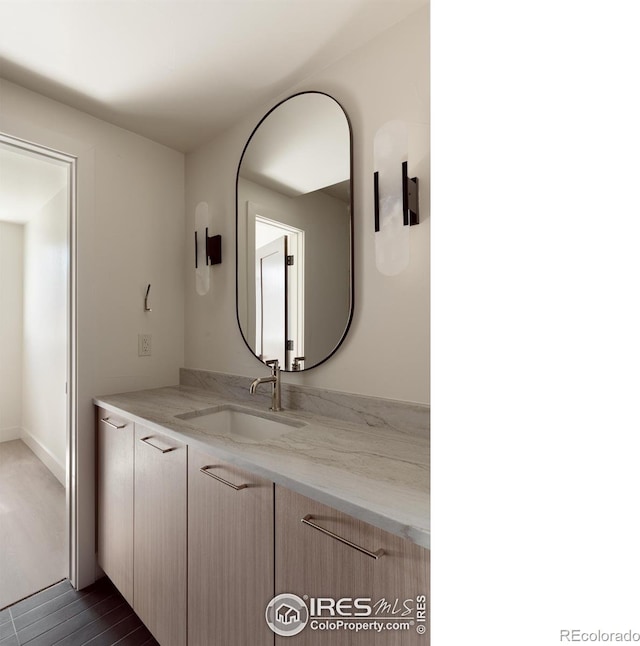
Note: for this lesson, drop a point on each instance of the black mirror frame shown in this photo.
(351, 229)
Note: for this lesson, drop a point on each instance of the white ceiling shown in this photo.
(27, 182)
(179, 72)
(301, 147)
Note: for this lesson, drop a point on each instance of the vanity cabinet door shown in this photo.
(231, 567)
(115, 500)
(314, 564)
(160, 536)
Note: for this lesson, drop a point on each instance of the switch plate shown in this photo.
(144, 345)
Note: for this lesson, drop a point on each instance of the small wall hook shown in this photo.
(146, 299)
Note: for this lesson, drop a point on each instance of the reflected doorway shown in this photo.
(279, 292)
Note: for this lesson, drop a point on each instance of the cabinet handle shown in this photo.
(374, 555)
(146, 441)
(106, 421)
(219, 479)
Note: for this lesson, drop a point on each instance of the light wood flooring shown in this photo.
(62, 616)
(33, 548)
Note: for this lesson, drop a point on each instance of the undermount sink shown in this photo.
(239, 422)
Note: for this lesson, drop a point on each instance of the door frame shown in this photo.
(71, 458)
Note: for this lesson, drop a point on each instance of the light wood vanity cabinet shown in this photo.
(230, 554)
(199, 547)
(311, 562)
(160, 536)
(115, 500)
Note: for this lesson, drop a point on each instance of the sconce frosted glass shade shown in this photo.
(203, 274)
(390, 150)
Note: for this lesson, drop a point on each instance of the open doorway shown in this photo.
(37, 197)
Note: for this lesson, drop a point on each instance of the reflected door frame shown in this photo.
(296, 277)
(272, 307)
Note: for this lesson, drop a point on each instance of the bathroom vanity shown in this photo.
(203, 517)
(224, 524)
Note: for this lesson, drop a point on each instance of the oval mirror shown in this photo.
(294, 233)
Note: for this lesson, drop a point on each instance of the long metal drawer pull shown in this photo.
(146, 441)
(106, 421)
(219, 479)
(374, 555)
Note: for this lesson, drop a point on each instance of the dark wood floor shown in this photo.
(60, 615)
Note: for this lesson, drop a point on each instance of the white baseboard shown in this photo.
(10, 433)
(49, 460)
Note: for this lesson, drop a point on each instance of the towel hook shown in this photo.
(146, 299)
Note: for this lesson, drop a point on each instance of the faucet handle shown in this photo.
(273, 364)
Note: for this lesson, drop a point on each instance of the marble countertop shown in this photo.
(380, 476)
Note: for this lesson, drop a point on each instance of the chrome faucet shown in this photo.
(274, 380)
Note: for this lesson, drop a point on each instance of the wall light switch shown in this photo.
(144, 345)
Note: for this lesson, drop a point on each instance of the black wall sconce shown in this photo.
(409, 197)
(410, 211)
(395, 198)
(213, 248)
(210, 250)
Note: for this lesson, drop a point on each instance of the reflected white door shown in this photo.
(271, 300)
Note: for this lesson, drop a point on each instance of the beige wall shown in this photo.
(130, 226)
(386, 352)
(11, 284)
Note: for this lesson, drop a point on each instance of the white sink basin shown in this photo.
(233, 421)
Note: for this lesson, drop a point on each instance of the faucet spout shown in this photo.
(260, 380)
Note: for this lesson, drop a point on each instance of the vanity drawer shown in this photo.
(322, 552)
(230, 548)
(160, 535)
(114, 492)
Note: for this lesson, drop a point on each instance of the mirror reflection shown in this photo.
(294, 233)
